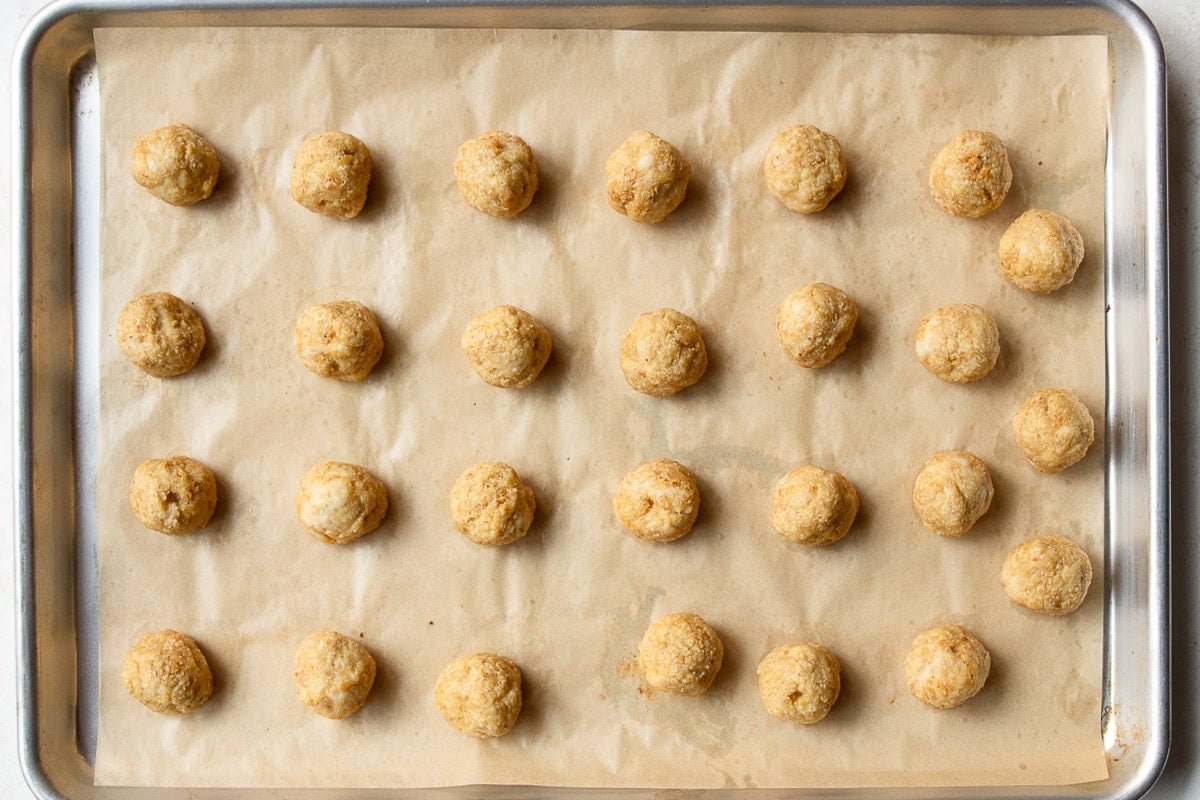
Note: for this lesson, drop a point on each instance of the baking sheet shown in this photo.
(571, 600)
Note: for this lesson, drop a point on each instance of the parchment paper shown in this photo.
(570, 601)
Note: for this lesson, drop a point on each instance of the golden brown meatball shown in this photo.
(958, 343)
(647, 178)
(333, 673)
(946, 666)
(1054, 429)
(799, 682)
(339, 340)
(176, 164)
(330, 174)
(338, 503)
(175, 495)
(658, 501)
(680, 654)
(507, 347)
(813, 506)
(496, 173)
(1047, 574)
(161, 334)
(480, 695)
(663, 353)
(804, 168)
(1040, 251)
(167, 672)
(952, 491)
(490, 505)
(815, 323)
(971, 175)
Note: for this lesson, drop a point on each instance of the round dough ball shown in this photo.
(647, 177)
(339, 340)
(496, 173)
(175, 495)
(507, 347)
(680, 654)
(971, 175)
(166, 672)
(658, 501)
(813, 506)
(804, 168)
(958, 343)
(1054, 429)
(176, 164)
(946, 666)
(480, 695)
(334, 674)
(338, 502)
(799, 682)
(1040, 251)
(815, 323)
(490, 505)
(161, 334)
(663, 353)
(952, 491)
(330, 174)
(1047, 574)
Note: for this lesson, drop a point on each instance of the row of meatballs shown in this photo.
(647, 179)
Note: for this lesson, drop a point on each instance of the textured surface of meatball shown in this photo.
(1040, 251)
(647, 177)
(176, 164)
(799, 682)
(1047, 574)
(480, 695)
(658, 501)
(333, 673)
(804, 168)
(815, 323)
(339, 502)
(330, 174)
(496, 174)
(813, 506)
(971, 175)
(946, 666)
(175, 495)
(1054, 429)
(680, 654)
(507, 347)
(663, 353)
(490, 505)
(958, 343)
(952, 491)
(166, 672)
(161, 334)
(339, 340)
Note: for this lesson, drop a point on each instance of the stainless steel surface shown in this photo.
(56, 287)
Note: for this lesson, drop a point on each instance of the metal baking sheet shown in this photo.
(56, 213)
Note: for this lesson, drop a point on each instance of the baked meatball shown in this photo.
(815, 323)
(1040, 251)
(507, 347)
(330, 174)
(799, 682)
(496, 173)
(175, 495)
(663, 353)
(958, 343)
(161, 334)
(338, 502)
(176, 164)
(813, 506)
(166, 672)
(480, 695)
(971, 175)
(1054, 429)
(952, 491)
(333, 674)
(658, 501)
(339, 340)
(946, 666)
(647, 178)
(1047, 574)
(804, 168)
(680, 654)
(490, 505)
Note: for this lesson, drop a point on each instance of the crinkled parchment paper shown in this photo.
(570, 601)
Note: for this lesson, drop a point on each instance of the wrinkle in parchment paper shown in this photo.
(570, 601)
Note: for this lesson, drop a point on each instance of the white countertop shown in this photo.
(1178, 23)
